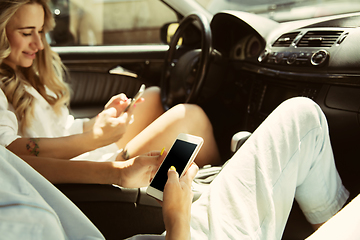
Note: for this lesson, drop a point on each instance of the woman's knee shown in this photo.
(152, 100)
(304, 109)
(192, 111)
(191, 114)
(298, 103)
(197, 117)
(152, 94)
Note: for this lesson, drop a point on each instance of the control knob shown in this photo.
(319, 57)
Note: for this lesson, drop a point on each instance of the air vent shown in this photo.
(285, 40)
(319, 38)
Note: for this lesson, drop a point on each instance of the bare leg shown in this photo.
(183, 118)
(144, 114)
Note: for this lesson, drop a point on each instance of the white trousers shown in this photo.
(289, 156)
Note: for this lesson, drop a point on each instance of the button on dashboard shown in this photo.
(279, 57)
(319, 57)
(292, 58)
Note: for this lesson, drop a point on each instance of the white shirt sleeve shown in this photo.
(32, 208)
(8, 122)
(75, 126)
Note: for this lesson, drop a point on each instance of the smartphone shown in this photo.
(137, 96)
(181, 154)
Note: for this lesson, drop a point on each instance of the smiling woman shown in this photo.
(34, 97)
(25, 34)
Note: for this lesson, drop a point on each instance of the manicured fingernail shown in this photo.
(162, 151)
(173, 168)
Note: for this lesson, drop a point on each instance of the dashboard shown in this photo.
(323, 44)
(283, 60)
(317, 58)
(315, 49)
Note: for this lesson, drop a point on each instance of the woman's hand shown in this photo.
(177, 203)
(138, 171)
(109, 127)
(119, 102)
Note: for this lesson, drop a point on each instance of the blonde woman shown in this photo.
(34, 118)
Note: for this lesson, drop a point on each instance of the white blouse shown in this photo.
(46, 123)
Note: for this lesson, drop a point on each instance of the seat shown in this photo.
(117, 212)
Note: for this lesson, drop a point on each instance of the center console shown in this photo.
(268, 93)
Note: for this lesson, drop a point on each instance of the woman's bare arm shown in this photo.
(108, 128)
(66, 171)
(133, 173)
(62, 147)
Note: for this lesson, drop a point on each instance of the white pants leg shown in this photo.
(288, 156)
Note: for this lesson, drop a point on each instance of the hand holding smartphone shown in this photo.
(137, 97)
(181, 154)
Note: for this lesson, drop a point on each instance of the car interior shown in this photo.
(238, 67)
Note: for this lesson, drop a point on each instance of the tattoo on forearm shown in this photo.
(33, 147)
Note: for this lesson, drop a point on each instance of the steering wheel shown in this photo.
(182, 79)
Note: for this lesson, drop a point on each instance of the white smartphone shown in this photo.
(137, 97)
(181, 154)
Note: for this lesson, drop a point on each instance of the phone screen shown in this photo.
(178, 156)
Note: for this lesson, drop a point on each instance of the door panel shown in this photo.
(90, 79)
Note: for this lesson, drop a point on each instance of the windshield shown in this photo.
(284, 10)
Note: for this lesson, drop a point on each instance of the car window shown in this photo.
(284, 10)
(108, 22)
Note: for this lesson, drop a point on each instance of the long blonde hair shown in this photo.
(47, 70)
